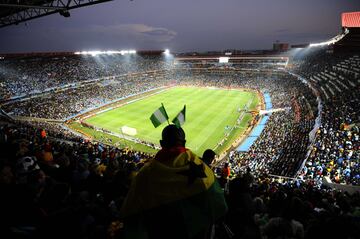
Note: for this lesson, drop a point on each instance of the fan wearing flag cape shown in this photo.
(175, 195)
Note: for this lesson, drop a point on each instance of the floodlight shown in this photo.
(332, 40)
(223, 59)
(95, 53)
(167, 51)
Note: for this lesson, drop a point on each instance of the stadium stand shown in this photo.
(55, 183)
(31, 76)
(336, 152)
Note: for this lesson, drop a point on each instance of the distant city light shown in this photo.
(95, 53)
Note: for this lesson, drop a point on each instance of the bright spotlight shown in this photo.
(223, 59)
(96, 53)
(332, 40)
(167, 51)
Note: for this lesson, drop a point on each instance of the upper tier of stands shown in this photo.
(25, 76)
(336, 151)
(350, 43)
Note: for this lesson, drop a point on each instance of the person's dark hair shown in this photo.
(172, 136)
(208, 156)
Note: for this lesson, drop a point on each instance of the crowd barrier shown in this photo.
(317, 123)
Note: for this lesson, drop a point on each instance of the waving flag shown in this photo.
(159, 116)
(179, 120)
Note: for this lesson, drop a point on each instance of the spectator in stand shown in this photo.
(225, 174)
(174, 196)
(208, 157)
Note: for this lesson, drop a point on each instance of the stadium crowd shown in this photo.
(34, 75)
(335, 153)
(63, 104)
(282, 146)
(56, 184)
(47, 180)
(56, 189)
(280, 149)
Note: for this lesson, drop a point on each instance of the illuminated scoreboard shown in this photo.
(350, 19)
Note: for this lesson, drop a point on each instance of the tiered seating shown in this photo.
(57, 185)
(334, 153)
(349, 66)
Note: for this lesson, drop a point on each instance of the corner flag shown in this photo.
(179, 120)
(159, 116)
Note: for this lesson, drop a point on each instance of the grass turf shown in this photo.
(208, 112)
(116, 141)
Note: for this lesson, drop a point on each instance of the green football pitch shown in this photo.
(210, 114)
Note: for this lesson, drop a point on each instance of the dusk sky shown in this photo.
(182, 26)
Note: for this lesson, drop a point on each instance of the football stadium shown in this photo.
(220, 144)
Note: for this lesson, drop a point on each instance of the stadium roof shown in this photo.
(14, 12)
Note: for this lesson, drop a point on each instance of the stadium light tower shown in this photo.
(96, 53)
(332, 40)
(168, 57)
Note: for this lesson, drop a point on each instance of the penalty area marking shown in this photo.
(128, 130)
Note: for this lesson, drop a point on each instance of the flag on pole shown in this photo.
(159, 116)
(179, 120)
